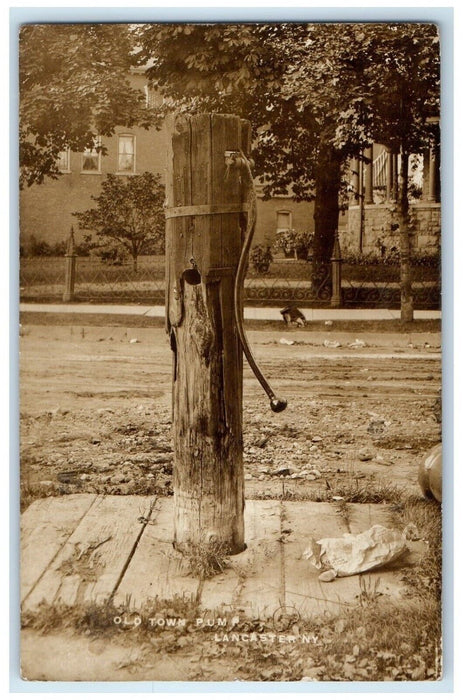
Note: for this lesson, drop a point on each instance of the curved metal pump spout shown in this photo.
(276, 404)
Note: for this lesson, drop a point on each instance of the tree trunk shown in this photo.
(406, 297)
(135, 263)
(203, 245)
(326, 214)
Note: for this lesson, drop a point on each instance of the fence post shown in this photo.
(336, 260)
(204, 231)
(70, 271)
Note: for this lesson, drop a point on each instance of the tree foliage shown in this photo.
(74, 86)
(316, 95)
(129, 212)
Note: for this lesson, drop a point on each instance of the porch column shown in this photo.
(369, 176)
(395, 183)
(432, 180)
(355, 179)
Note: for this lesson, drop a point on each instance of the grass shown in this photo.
(205, 559)
(375, 640)
(348, 488)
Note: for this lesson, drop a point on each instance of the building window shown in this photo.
(284, 220)
(91, 158)
(126, 154)
(64, 161)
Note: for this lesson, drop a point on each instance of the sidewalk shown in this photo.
(250, 313)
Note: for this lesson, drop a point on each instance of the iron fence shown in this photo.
(365, 282)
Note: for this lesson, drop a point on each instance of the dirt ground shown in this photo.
(95, 409)
(95, 416)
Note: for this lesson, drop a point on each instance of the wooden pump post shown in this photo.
(204, 235)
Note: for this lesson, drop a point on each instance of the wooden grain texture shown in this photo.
(45, 527)
(303, 590)
(252, 584)
(92, 561)
(207, 376)
(156, 569)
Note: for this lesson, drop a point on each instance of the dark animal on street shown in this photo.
(291, 314)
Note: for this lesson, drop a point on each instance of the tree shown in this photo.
(404, 100)
(129, 211)
(74, 86)
(290, 81)
(313, 93)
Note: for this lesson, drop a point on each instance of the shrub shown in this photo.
(261, 258)
(292, 241)
(40, 248)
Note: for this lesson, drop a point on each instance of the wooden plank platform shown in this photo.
(84, 548)
(45, 527)
(93, 559)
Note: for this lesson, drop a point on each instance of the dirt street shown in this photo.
(95, 411)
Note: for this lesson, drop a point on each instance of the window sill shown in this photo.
(90, 172)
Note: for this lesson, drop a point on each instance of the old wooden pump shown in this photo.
(210, 218)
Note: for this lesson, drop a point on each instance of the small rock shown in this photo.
(281, 471)
(327, 576)
(383, 461)
(284, 341)
(134, 340)
(376, 427)
(46, 483)
(331, 344)
(248, 477)
(357, 344)
(328, 323)
(161, 458)
(365, 454)
(317, 438)
(314, 472)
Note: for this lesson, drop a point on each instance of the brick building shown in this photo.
(46, 209)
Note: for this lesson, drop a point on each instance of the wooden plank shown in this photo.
(362, 517)
(303, 590)
(45, 527)
(156, 569)
(262, 525)
(90, 564)
(178, 234)
(260, 570)
(204, 232)
(226, 189)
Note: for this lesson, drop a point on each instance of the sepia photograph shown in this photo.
(230, 377)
